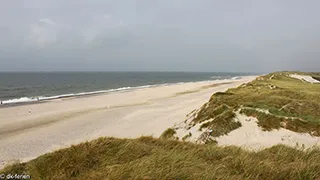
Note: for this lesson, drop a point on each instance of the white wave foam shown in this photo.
(226, 77)
(43, 98)
(217, 77)
(236, 78)
(19, 100)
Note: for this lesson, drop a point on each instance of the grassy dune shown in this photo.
(277, 100)
(149, 158)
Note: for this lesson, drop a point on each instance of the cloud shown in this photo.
(42, 33)
(49, 22)
(102, 29)
(186, 35)
(106, 16)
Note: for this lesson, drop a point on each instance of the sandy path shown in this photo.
(60, 123)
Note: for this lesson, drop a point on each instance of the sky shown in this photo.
(166, 35)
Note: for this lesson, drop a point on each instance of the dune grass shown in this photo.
(222, 124)
(168, 134)
(149, 158)
(186, 137)
(278, 94)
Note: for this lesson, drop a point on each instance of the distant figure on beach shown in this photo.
(0, 102)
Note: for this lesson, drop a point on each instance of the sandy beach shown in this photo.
(28, 131)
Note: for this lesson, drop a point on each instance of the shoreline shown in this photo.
(44, 99)
(60, 123)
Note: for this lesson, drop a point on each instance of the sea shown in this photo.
(27, 87)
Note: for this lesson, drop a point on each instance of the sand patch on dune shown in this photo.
(304, 78)
(251, 136)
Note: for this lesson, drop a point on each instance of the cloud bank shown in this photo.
(168, 35)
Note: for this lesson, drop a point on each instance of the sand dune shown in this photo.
(304, 78)
(31, 130)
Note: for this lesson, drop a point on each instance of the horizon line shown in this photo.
(123, 71)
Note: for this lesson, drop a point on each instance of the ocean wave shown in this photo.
(226, 77)
(236, 77)
(19, 100)
(45, 98)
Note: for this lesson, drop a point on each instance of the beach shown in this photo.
(27, 131)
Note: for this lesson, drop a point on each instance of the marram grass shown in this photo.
(150, 158)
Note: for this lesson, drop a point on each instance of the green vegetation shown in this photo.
(149, 158)
(277, 100)
(222, 124)
(168, 134)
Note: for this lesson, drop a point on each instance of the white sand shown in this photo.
(251, 137)
(60, 123)
(304, 78)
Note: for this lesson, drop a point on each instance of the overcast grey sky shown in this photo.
(162, 35)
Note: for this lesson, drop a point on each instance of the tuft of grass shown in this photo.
(266, 121)
(210, 113)
(168, 134)
(149, 158)
(222, 124)
(186, 136)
